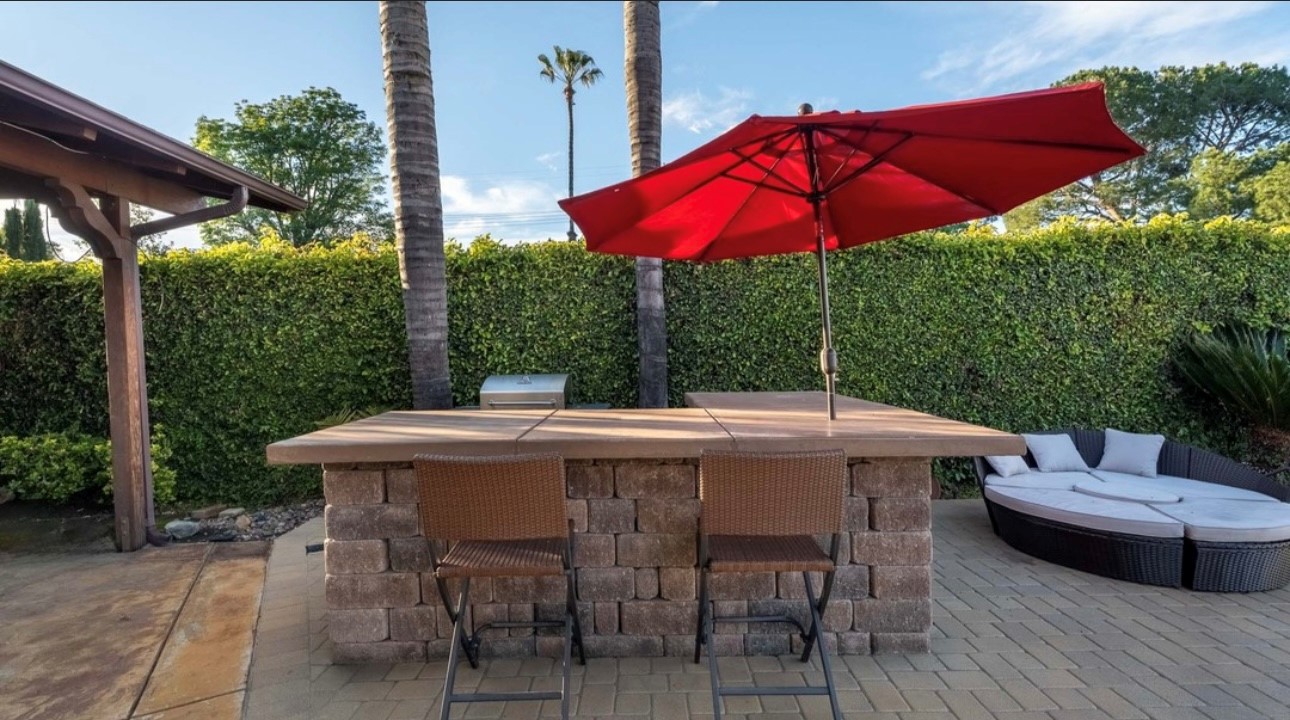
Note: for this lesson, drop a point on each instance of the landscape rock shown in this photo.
(206, 513)
(258, 525)
(231, 512)
(181, 529)
(5, 495)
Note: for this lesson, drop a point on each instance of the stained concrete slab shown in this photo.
(209, 651)
(163, 633)
(81, 631)
(224, 707)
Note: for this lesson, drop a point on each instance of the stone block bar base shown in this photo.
(635, 552)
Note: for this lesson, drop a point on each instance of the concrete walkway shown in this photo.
(160, 634)
(1015, 638)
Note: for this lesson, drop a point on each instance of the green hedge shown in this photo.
(1062, 326)
(59, 467)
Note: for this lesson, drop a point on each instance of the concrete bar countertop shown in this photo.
(768, 421)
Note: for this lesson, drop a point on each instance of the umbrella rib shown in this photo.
(882, 157)
(769, 171)
(730, 220)
(769, 139)
(855, 148)
(874, 160)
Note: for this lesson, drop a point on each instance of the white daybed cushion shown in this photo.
(1124, 491)
(1007, 465)
(1072, 508)
(1185, 488)
(1041, 480)
(1131, 453)
(1055, 453)
(1232, 521)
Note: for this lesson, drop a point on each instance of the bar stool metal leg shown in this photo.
(699, 637)
(458, 641)
(713, 671)
(816, 626)
(825, 592)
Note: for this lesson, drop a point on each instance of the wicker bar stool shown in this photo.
(504, 517)
(759, 513)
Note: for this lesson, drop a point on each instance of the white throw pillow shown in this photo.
(1008, 465)
(1131, 453)
(1055, 453)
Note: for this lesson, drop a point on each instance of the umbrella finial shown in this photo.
(805, 109)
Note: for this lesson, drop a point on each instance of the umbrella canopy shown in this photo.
(823, 181)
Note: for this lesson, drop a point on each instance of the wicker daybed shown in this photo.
(1226, 529)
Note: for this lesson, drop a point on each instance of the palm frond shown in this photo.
(1244, 369)
(548, 70)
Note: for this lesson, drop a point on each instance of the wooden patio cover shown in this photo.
(88, 164)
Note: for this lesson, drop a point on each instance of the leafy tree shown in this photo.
(35, 244)
(314, 144)
(1209, 132)
(1272, 194)
(24, 233)
(156, 243)
(13, 233)
(418, 203)
(570, 68)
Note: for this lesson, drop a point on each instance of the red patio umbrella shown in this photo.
(823, 181)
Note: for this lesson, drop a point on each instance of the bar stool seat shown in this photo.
(504, 558)
(751, 553)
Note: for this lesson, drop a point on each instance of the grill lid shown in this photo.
(527, 384)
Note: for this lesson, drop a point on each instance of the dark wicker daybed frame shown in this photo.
(1172, 562)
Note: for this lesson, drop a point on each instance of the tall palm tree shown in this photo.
(418, 205)
(644, 72)
(570, 68)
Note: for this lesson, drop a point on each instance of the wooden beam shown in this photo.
(127, 386)
(28, 116)
(34, 155)
(15, 186)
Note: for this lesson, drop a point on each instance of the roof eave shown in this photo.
(28, 87)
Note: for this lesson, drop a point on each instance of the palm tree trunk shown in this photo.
(644, 72)
(418, 205)
(568, 98)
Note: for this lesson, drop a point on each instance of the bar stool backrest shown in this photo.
(506, 497)
(745, 493)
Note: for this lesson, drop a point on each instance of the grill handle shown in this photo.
(521, 403)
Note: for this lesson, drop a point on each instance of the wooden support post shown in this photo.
(127, 384)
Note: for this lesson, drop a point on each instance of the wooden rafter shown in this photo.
(30, 117)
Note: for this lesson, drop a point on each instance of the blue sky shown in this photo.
(502, 129)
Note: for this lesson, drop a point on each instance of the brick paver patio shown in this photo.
(1014, 638)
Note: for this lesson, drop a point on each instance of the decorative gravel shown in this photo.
(264, 523)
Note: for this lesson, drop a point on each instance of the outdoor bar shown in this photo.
(632, 495)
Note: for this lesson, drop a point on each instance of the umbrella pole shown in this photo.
(828, 357)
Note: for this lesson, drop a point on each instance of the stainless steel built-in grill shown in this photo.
(524, 392)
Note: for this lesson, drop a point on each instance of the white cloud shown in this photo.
(548, 160)
(708, 3)
(1048, 40)
(699, 113)
(512, 210)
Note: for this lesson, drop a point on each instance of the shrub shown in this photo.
(1066, 326)
(59, 467)
(1244, 369)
